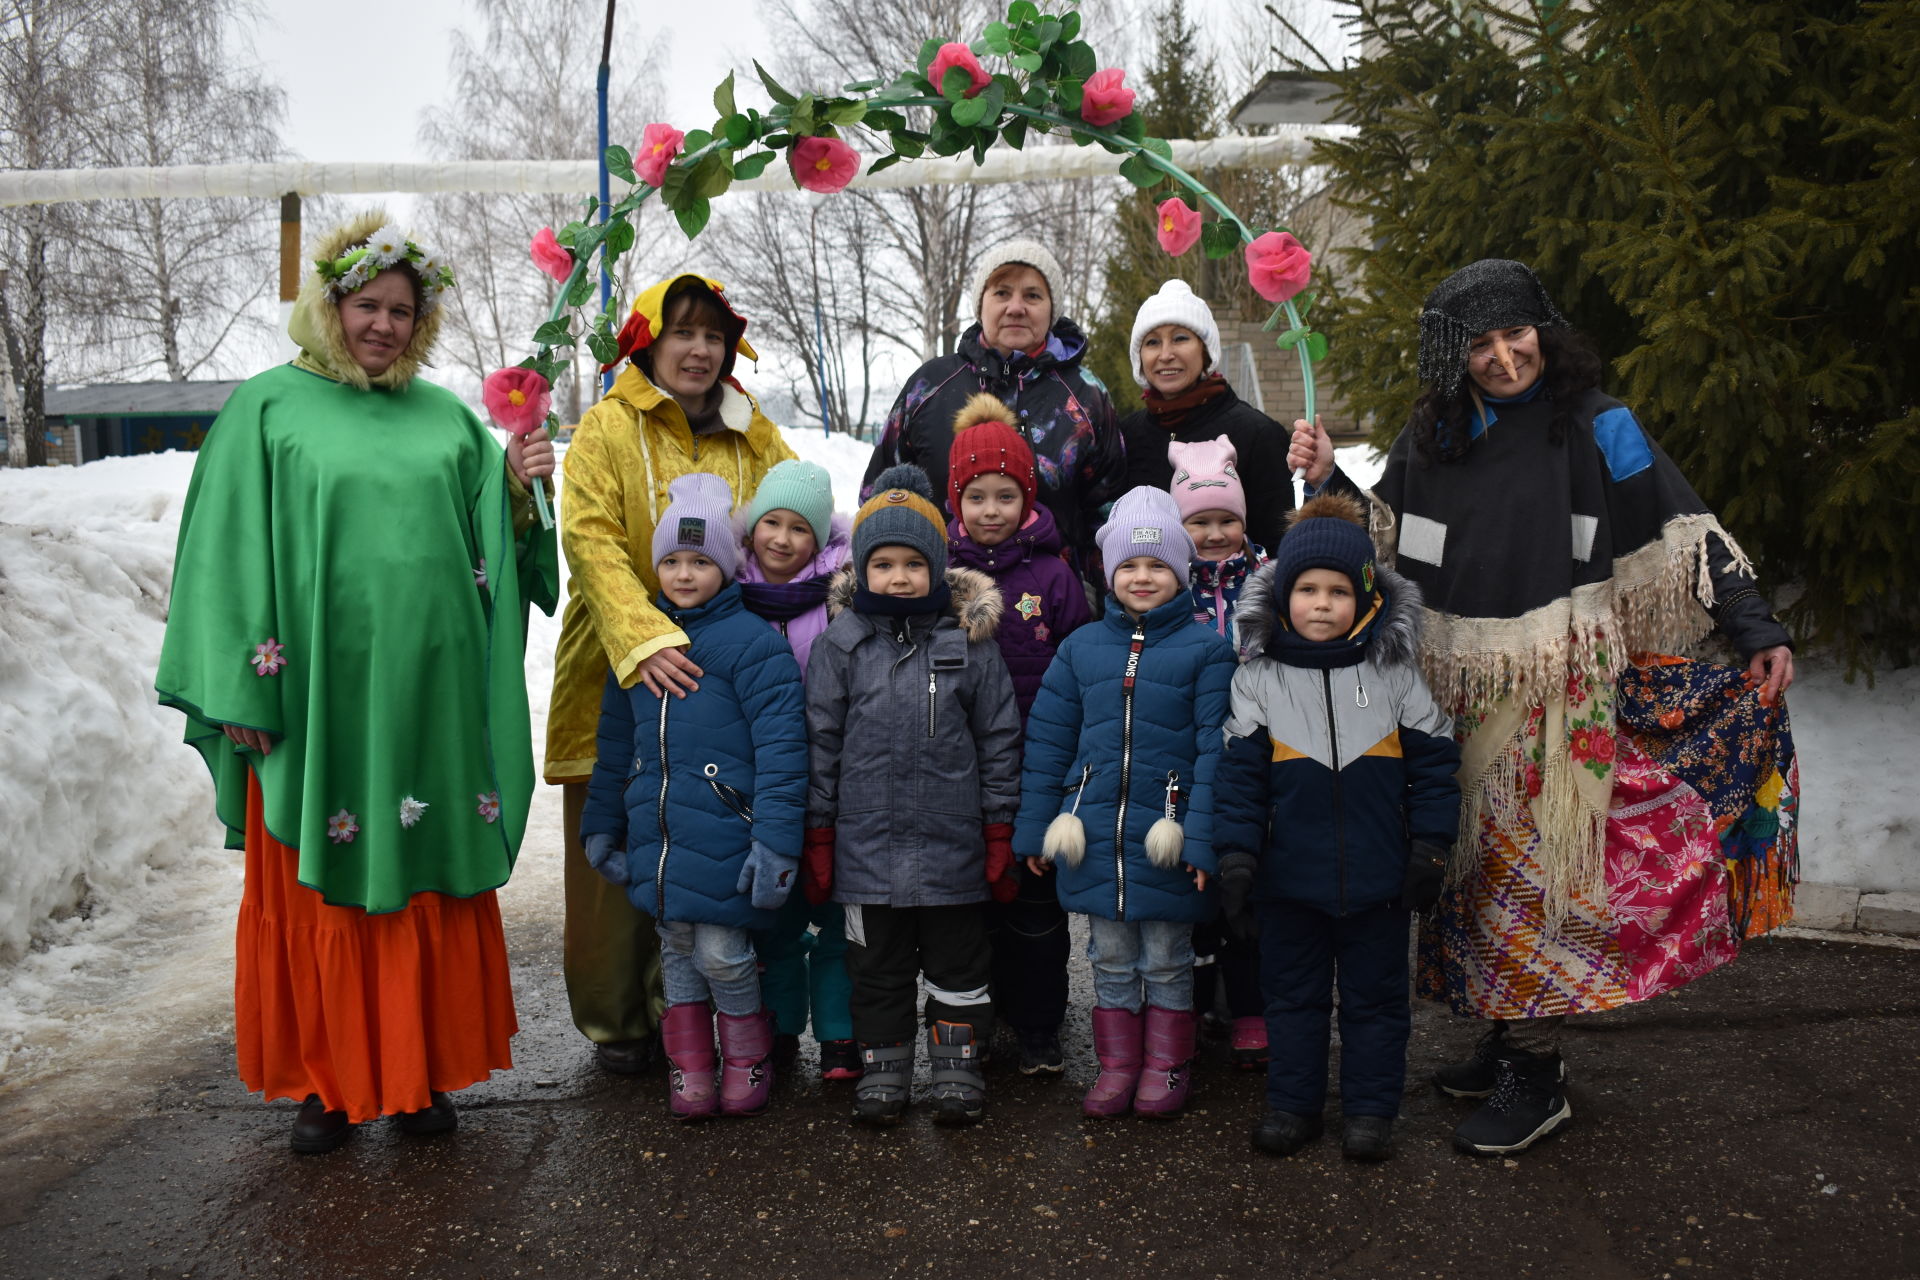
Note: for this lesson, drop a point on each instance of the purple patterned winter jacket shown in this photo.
(1044, 598)
(1215, 586)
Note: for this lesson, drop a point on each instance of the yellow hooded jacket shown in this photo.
(626, 451)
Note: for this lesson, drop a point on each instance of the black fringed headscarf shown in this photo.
(1493, 293)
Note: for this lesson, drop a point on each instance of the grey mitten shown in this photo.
(768, 876)
(605, 855)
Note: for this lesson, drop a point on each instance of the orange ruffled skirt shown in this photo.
(373, 1013)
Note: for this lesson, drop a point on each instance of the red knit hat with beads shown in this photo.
(985, 443)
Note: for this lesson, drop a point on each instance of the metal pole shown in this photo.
(820, 380)
(289, 267)
(600, 90)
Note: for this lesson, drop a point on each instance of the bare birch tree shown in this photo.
(536, 105)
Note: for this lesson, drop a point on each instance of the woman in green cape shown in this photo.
(345, 637)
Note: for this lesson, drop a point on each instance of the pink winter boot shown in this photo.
(746, 1054)
(1250, 1044)
(1168, 1051)
(1116, 1042)
(687, 1036)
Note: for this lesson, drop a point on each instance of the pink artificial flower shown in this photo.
(267, 658)
(551, 256)
(949, 56)
(823, 164)
(1278, 266)
(1105, 98)
(659, 144)
(1179, 228)
(341, 828)
(489, 807)
(517, 399)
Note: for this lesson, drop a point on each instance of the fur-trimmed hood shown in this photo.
(1392, 639)
(315, 327)
(976, 603)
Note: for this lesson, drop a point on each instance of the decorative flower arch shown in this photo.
(1054, 85)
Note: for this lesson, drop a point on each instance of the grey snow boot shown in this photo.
(885, 1085)
(959, 1092)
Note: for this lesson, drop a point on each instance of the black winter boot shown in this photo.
(317, 1130)
(1282, 1133)
(1528, 1103)
(886, 1083)
(959, 1093)
(1475, 1077)
(1367, 1138)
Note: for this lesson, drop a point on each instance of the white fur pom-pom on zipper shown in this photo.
(1165, 840)
(1066, 839)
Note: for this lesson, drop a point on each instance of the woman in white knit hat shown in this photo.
(1024, 352)
(1175, 356)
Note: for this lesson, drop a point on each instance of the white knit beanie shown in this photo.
(1030, 253)
(1176, 303)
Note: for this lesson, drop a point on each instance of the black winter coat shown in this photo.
(1260, 442)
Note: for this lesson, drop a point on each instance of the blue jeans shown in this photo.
(1138, 962)
(717, 960)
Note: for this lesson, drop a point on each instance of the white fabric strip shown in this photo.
(958, 999)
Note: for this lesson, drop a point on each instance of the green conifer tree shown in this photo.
(1722, 195)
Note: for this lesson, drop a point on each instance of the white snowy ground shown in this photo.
(117, 901)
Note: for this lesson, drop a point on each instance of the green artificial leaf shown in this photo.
(909, 145)
(620, 163)
(694, 217)
(674, 192)
(752, 166)
(1158, 146)
(862, 86)
(1317, 346)
(1079, 61)
(1049, 32)
(1028, 62)
(885, 162)
(801, 120)
(950, 143)
(1070, 25)
(555, 333)
(777, 140)
(997, 38)
(1303, 304)
(739, 131)
(775, 92)
(1036, 97)
(1290, 339)
(1133, 127)
(1139, 172)
(723, 97)
(1070, 92)
(846, 111)
(885, 121)
(582, 290)
(955, 83)
(1021, 11)
(712, 176)
(620, 236)
(1016, 132)
(1219, 239)
(982, 140)
(929, 50)
(969, 112)
(695, 140)
(566, 235)
(604, 347)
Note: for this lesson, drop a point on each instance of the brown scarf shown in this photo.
(1171, 410)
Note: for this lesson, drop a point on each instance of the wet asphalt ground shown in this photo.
(1763, 1122)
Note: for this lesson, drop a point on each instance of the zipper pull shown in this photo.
(1173, 796)
(933, 688)
(1359, 695)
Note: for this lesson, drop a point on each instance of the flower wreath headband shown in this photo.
(352, 271)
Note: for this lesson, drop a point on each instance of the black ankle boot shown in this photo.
(1529, 1102)
(1282, 1133)
(317, 1130)
(438, 1117)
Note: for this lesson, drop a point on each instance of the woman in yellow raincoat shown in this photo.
(674, 410)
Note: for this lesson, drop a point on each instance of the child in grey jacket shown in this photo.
(915, 780)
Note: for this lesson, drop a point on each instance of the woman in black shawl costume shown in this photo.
(1628, 816)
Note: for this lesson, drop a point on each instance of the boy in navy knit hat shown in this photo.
(915, 780)
(1333, 728)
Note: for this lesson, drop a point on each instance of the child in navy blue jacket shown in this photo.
(1335, 807)
(697, 803)
(1117, 788)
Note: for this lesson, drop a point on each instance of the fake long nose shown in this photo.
(1504, 354)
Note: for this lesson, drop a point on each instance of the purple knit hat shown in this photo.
(1145, 522)
(699, 517)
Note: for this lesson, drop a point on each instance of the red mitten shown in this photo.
(1001, 880)
(816, 865)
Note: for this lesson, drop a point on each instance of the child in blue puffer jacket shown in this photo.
(1117, 788)
(1337, 802)
(696, 805)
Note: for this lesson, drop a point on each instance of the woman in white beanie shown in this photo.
(1024, 353)
(1175, 355)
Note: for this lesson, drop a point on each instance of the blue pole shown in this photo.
(600, 91)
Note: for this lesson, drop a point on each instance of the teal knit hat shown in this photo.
(803, 488)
